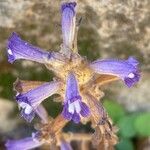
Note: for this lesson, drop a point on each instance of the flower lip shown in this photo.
(27, 111)
(74, 107)
(76, 117)
(133, 61)
(27, 107)
(70, 5)
(132, 78)
(24, 103)
(27, 116)
(74, 110)
(11, 57)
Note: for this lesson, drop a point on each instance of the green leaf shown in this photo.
(115, 111)
(126, 126)
(125, 144)
(142, 124)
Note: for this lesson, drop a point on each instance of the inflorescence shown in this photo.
(77, 82)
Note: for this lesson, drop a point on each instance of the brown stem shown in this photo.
(58, 124)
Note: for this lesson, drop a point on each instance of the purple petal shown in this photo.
(68, 23)
(76, 117)
(66, 114)
(133, 61)
(72, 92)
(125, 69)
(31, 100)
(65, 146)
(85, 111)
(20, 49)
(23, 144)
(72, 111)
(27, 116)
(131, 81)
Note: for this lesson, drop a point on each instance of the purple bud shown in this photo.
(20, 49)
(127, 70)
(68, 23)
(73, 106)
(30, 100)
(23, 144)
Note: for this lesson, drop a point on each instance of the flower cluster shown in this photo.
(74, 81)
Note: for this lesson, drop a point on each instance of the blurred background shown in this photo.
(109, 29)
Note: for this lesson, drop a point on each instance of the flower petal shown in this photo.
(66, 114)
(23, 144)
(76, 117)
(30, 101)
(27, 116)
(125, 69)
(20, 49)
(132, 79)
(68, 23)
(133, 61)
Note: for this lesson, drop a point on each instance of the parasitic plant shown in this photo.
(77, 81)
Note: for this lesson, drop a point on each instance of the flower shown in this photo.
(68, 23)
(30, 100)
(23, 144)
(73, 106)
(127, 70)
(20, 49)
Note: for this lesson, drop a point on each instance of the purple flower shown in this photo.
(127, 70)
(68, 23)
(65, 145)
(73, 106)
(20, 49)
(30, 100)
(23, 144)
